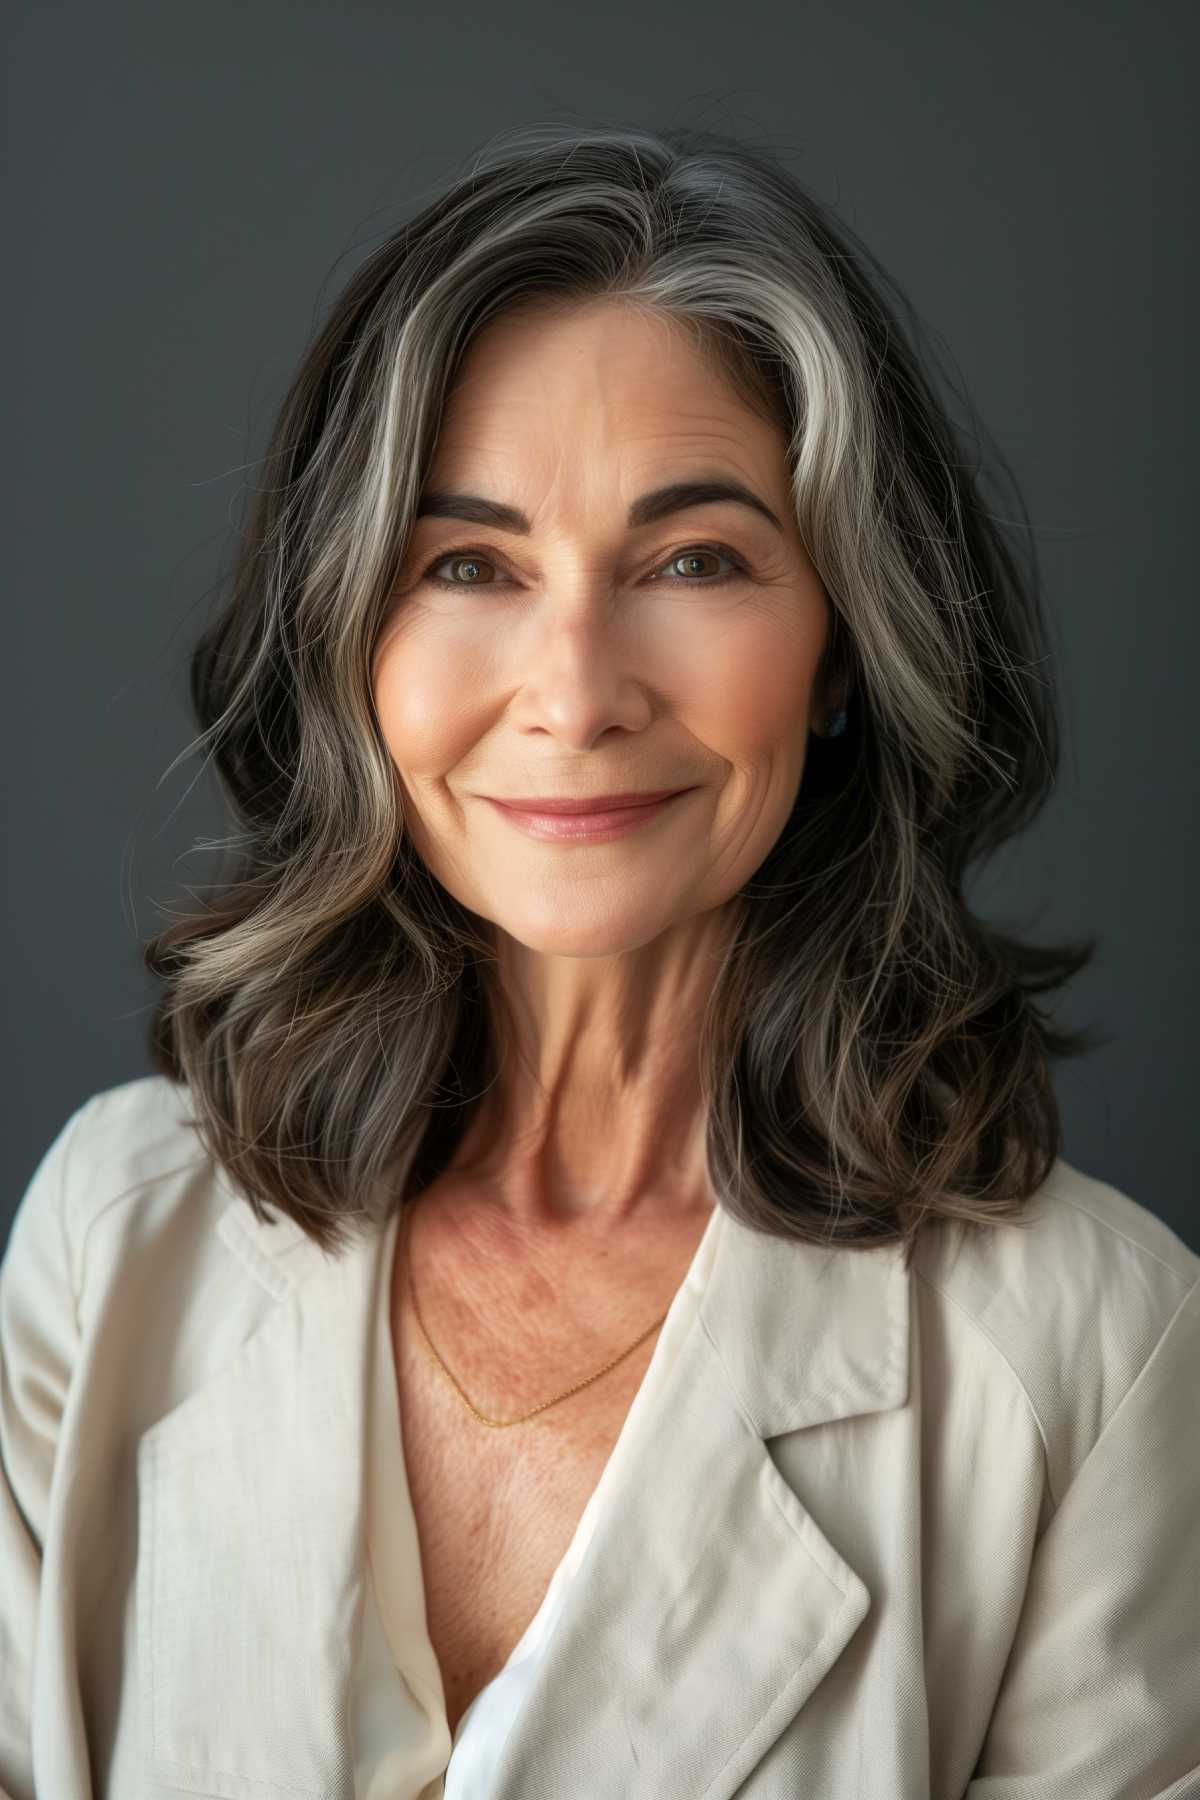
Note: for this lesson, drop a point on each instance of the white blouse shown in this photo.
(402, 1744)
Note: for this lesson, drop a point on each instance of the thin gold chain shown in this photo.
(482, 1417)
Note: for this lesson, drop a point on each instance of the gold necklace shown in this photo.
(482, 1417)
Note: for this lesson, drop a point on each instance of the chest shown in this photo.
(496, 1508)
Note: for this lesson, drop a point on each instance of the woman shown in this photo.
(590, 1302)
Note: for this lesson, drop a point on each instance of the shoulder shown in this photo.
(126, 1159)
(121, 1140)
(1070, 1301)
(127, 1150)
(136, 1123)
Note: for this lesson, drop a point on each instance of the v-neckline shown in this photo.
(398, 1584)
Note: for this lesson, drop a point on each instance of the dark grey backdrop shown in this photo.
(190, 185)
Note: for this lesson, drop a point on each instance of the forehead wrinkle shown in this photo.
(621, 446)
(691, 459)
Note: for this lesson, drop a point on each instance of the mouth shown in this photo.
(596, 803)
(606, 816)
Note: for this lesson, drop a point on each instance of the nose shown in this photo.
(583, 673)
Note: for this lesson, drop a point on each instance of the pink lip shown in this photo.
(585, 824)
(596, 804)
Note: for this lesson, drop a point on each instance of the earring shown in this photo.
(836, 723)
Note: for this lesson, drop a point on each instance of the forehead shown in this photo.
(555, 386)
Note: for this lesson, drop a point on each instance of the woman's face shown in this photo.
(589, 649)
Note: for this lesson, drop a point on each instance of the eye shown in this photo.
(473, 559)
(695, 553)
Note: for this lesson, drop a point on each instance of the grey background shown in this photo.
(188, 188)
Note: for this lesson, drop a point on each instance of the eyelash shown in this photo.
(705, 581)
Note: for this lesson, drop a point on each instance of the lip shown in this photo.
(583, 823)
(598, 803)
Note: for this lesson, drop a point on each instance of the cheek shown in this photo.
(752, 684)
(424, 694)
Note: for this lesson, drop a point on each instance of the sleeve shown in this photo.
(1101, 1692)
(39, 1338)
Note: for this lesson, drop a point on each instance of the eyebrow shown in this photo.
(648, 509)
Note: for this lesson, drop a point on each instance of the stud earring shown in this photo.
(836, 723)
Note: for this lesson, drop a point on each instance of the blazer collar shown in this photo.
(705, 1572)
(805, 1335)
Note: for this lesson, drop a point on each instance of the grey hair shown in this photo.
(873, 1053)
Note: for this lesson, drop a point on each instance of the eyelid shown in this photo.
(741, 566)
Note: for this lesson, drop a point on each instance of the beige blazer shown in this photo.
(932, 1533)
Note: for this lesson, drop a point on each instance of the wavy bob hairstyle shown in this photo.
(873, 1054)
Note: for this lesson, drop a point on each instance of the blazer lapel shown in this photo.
(708, 1607)
(249, 1583)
